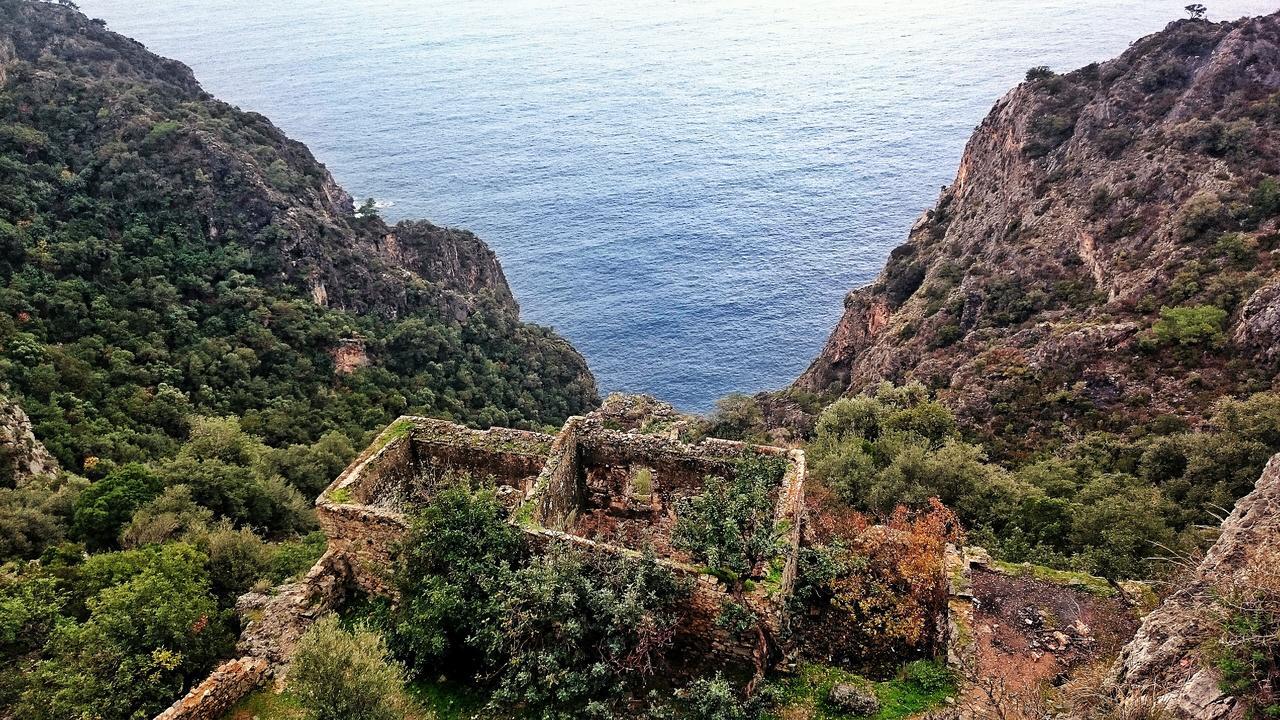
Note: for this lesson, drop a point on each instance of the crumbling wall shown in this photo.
(557, 495)
(274, 623)
(363, 511)
(219, 692)
(580, 487)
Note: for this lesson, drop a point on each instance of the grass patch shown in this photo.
(266, 705)
(394, 431)
(448, 700)
(340, 496)
(919, 686)
(523, 516)
(1078, 580)
(642, 483)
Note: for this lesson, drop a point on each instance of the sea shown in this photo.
(685, 189)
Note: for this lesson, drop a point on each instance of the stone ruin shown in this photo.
(608, 482)
(605, 483)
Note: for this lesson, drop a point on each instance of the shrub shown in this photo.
(341, 675)
(1186, 326)
(1246, 648)
(1048, 131)
(237, 559)
(737, 417)
(1039, 72)
(168, 517)
(715, 699)
(729, 526)
(886, 583)
(579, 629)
(452, 571)
(105, 506)
(1265, 198)
(1202, 212)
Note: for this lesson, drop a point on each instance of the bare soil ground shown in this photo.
(1031, 632)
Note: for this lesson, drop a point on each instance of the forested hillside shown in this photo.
(202, 327)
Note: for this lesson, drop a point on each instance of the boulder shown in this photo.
(854, 698)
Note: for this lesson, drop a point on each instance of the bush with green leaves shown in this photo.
(107, 505)
(561, 634)
(452, 570)
(37, 515)
(339, 674)
(729, 525)
(1104, 504)
(150, 626)
(1187, 326)
(583, 629)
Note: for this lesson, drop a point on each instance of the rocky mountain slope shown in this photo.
(245, 179)
(1106, 256)
(165, 255)
(1171, 660)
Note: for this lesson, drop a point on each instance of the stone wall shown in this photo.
(363, 511)
(586, 472)
(219, 692)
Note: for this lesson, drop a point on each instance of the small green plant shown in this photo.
(342, 675)
(642, 483)
(1188, 326)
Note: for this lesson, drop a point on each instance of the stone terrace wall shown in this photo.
(362, 512)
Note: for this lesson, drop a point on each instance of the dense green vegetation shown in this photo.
(1116, 505)
(123, 630)
(175, 279)
(558, 634)
(143, 282)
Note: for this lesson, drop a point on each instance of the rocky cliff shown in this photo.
(1169, 660)
(165, 255)
(22, 456)
(1105, 255)
(282, 200)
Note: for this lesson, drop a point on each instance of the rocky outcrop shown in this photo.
(1083, 205)
(22, 456)
(1165, 663)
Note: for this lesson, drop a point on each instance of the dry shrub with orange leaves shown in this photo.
(875, 592)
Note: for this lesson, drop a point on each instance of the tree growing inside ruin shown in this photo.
(730, 528)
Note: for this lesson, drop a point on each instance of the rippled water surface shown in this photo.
(686, 189)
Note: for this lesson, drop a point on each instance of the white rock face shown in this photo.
(20, 452)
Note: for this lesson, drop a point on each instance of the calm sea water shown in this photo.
(686, 190)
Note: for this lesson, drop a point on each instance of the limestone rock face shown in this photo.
(1163, 662)
(22, 456)
(1083, 205)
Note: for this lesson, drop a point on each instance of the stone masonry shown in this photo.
(603, 484)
